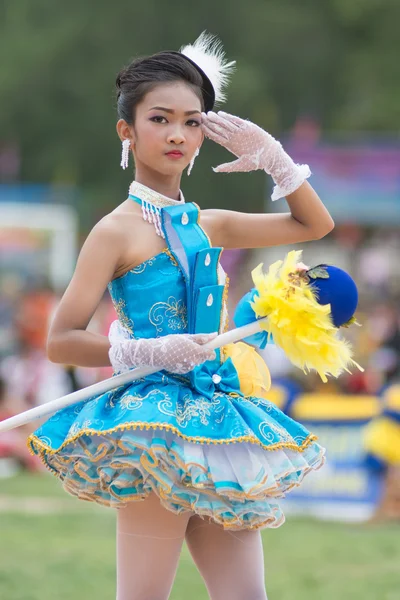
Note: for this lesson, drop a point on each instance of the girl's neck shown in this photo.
(166, 185)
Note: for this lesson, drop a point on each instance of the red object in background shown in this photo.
(356, 383)
(368, 382)
(32, 318)
(348, 235)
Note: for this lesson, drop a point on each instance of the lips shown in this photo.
(175, 153)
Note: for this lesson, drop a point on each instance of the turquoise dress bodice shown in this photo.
(150, 299)
(194, 439)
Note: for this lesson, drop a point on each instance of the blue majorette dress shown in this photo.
(195, 439)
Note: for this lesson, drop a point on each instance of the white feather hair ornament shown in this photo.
(207, 52)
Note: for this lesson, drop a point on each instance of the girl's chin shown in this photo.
(165, 167)
(173, 169)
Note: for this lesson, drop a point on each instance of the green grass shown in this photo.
(44, 485)
(71, 554)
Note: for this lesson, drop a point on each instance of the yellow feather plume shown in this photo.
(299, 325)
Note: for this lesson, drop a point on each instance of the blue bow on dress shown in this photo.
(207, 380)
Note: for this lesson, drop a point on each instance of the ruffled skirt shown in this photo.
(228, 458)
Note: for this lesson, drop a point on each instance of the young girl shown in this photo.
(183, 453)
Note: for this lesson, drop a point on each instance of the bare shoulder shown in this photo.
(135, 238)
(96, 264)
(111, 226)
(116, 228)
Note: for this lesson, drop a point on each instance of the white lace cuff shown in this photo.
(292, 183)
(117, 333)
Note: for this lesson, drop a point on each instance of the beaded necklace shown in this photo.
(152, 202)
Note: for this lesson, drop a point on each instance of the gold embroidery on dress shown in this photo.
(148, 262)
(224, 307)
(131, 402)
(171, 314)
(276, 430)
(171, 257)
(123, 318)
(142, 267)
(192, 409)
(75, 428)
(42, 447)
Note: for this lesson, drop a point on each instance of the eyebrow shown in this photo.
(169, 110)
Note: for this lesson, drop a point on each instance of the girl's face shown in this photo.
(167, 129)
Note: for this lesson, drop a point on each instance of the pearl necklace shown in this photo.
(152, 202)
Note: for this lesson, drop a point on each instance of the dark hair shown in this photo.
(143, 74)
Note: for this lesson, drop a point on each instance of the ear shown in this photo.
(124, 131)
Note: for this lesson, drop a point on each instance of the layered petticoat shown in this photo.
(227, 458)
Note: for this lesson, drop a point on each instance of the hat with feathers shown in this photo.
(207, 55)
(305, 308)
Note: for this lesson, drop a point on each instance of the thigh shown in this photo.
(230, 562)
(149, 541)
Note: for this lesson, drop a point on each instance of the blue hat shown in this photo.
(330, 285)
(335, 287)
(302, 309)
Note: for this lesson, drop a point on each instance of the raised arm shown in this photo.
(257, 149)
(68, 341)
(307, 220)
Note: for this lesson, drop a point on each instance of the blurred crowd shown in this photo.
(27, 378)
(370, 255)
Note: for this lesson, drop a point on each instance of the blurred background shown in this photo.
(323, 77)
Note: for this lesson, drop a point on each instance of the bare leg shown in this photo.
(230, 562)
(149, 542)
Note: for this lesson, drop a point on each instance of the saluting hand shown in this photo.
(255, 149)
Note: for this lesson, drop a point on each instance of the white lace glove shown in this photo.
(255, 149)
(177, 353)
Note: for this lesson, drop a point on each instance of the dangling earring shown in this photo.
(192, 161)
(126, 145)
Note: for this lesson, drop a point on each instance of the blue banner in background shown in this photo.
(359, 181)
(345, 488)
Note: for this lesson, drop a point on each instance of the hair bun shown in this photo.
(119, 81)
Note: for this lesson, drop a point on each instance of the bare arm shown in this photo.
(308, 220)
(68, 341)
